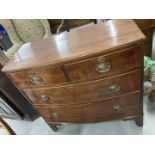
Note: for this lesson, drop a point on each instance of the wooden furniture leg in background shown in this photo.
(95, 21)
(139, 120)
(60, 26)
(5, 126)
(146, 26)
(53, 127)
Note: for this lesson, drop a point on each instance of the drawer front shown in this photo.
(88, 91)
(117, 108)
(39, 77)
(104, 66)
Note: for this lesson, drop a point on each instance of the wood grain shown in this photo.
(93, 112)
(119, 62)
(147, 26)
(75, 85)
(78, 43)
(88, 91)
(48, 76)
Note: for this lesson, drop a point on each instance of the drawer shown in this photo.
(117, 108)
(39, 77)
(87, 91)
(104, 66)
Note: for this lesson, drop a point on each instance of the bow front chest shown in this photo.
(92, 74)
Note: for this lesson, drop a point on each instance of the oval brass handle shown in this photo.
(44, 98)
(55, 116)
(103, 67)
(36, 80)
(114, 88)
(117, 108)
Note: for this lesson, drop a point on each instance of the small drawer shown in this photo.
(117, 108)
(87, 91)
(39, 77)
(104, 66)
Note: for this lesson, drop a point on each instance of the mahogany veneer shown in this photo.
(93, 73)
(94, 111)
(88, 91)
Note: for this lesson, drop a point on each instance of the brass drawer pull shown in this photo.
(103, 67)
(55, 116)
(117, 108)
(44, 98)
(36, 80)
(114, 88)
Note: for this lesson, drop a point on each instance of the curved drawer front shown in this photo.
(104, 66)
(116, 108)
(39, 77)
(88, 91)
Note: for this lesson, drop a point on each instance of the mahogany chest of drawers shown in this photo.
(92, 74)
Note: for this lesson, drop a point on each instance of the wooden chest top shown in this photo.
(80, 42)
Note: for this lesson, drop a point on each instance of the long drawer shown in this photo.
(116, 108)
(89, 69)
(104, 66)
(88, 91)
(39, 77)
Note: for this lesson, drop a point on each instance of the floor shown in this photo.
(39, 127)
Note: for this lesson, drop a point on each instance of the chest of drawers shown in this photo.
(92, 74)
